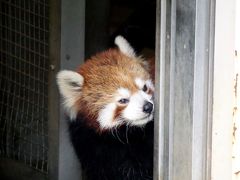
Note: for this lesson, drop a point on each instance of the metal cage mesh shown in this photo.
(24, 62)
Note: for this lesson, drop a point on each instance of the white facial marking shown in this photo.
(139, 82)
(123, 93)
(124, 46)
(106, 115)
(142, 122)
(149, 84)
(133, 113)
(70, 83)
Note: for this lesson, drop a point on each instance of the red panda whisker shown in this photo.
(118, 136)
(127, 133)
(112, 132)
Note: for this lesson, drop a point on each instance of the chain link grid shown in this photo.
(24, 58)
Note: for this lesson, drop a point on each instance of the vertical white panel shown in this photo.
(203, 89)
(223, 90)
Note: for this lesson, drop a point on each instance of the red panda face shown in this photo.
(135, 108)
(110, 89)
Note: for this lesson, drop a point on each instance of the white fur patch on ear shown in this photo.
(124, 46)
(70, 84)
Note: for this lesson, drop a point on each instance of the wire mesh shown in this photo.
(24, 59)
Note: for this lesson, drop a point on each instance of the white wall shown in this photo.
(223, 90)
(236, 115)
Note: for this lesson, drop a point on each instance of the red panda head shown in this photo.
(110, 89)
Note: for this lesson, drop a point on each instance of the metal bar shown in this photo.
(72, 55)
(203, 90)
(184, 85)
(162, 94)
(208, 164)
(66, 52)
(53, 101)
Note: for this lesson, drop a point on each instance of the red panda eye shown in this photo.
(145, 88)
(123, 101)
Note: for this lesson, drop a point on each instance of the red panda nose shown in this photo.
(147, 107)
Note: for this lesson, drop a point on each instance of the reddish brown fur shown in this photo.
(119, 111)
(151, 62)
(103, 75)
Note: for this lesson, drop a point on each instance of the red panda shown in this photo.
(109, 101)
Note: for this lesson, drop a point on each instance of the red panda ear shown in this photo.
(124, 46)
(70, 84)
